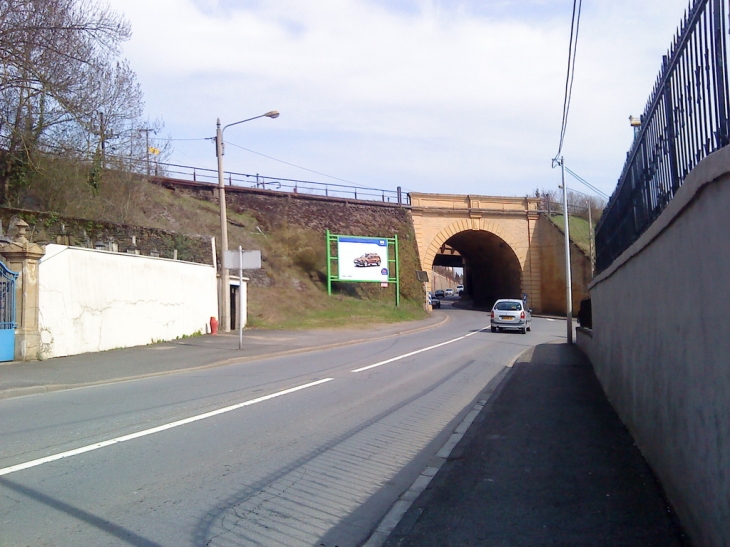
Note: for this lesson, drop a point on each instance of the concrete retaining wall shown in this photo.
(661, 347)
(97, 300)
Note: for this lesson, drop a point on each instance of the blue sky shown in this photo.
(433, 96)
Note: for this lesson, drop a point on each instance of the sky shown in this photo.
(438, 96)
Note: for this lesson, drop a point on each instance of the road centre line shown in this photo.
(381, 363)
(158, 429)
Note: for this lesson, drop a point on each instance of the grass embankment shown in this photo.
(336, 311)
(289, 292)
(579, 230)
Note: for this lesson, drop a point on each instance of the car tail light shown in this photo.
(492, 314)
(522, 315)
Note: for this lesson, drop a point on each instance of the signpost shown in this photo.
(241, 260)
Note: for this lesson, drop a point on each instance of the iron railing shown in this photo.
(7, 298)
(243, 180)
(685, 120)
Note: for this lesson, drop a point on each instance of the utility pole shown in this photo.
(102, 137)
(591, 245)
(225, 300)
(146, 131)
(131, 144)
(568, 280)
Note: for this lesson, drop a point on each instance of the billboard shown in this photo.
(362, 259)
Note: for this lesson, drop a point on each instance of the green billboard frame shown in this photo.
(393, 263)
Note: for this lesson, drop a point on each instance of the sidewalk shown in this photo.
(25, 378)
(547, 462)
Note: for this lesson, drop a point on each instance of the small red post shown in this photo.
(213, 326)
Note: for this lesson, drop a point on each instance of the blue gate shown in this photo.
(7, 313)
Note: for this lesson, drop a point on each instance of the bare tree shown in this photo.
(578, 203)
(62, 87)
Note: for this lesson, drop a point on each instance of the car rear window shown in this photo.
(508, 306)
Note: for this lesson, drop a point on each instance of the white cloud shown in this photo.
(432, 96)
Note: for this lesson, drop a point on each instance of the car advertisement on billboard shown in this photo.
(362, 259)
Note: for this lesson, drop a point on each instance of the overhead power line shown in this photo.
(570, 74)
(587, 184)
(297, 166)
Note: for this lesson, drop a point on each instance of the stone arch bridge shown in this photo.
(505, 245)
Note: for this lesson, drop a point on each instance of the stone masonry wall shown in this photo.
(47, 228)
(276, 210)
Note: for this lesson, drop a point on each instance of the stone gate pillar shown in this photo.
(22, 256)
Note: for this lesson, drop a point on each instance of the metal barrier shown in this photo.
(685, 120)
(243, 180)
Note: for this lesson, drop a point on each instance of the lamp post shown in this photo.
(225, 296)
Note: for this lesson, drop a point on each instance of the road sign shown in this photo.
(251, 260)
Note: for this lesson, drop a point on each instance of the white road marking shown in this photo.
(381, 363)
(164, 427)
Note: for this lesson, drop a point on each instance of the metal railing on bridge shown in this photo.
(243, 180)
(685, 120)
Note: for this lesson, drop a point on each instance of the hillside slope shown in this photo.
(290, 289)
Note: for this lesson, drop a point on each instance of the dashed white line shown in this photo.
(164, 427)
(381, 363)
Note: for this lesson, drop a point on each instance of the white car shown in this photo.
(511, 314)
(449, 292)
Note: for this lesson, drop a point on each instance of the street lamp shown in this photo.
(636, 124)
(225, 296)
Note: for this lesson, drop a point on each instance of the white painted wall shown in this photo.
(660, 346)
(93, 300)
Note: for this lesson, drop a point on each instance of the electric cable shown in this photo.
(570, 75)
(586, 183)
(298, 166)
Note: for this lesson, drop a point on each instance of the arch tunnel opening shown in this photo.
(491, 268)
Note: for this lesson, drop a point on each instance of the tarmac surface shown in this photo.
(197, 352)
(545, 462)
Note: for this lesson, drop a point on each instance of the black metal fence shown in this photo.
(243, 180)
(686, 119)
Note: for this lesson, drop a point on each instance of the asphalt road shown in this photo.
(309, 449)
